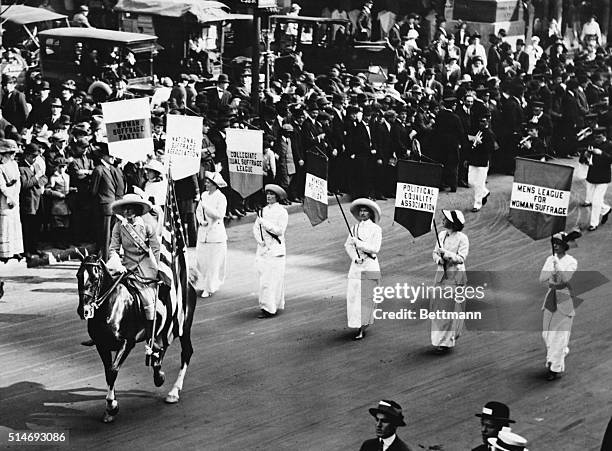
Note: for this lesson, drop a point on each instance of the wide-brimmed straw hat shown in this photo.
(507, 440)
(215, 178)
(370, 204)
(155, 165)
(390, 408)
(281, 194)
(456, 217)
(131, 199)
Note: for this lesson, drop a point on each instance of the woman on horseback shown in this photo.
(140, 254)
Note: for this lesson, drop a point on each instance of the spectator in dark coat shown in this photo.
(41, 105)
(14, 106)
(449, 136)
(33, 182)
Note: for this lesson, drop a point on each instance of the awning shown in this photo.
(203, 11)
(23, 15)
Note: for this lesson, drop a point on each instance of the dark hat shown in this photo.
(70, 85)
(323, 116)
(477, 58)
(537, 104)
(156, 120)
(56, 102)
(79, 130)
(566, 239)
(65, 120)
(476, 35)
(44, 85)
(31, 149)
(497, 411)
(223, 78)
(103, 149)
(430, 71)
(531, 125)
(338, 98)
(391, 409)
(520, 42)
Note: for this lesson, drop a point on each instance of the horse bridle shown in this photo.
(89, 309)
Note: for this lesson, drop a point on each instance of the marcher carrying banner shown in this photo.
(540, 198)
(184, 144)
(315, 190)
(416, 195)
(128, 128)
(245, 158)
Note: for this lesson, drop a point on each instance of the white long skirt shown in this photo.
(210, 261)
(556, 329)
(359, 302)
(11, 238)
(445, 332)
(477, 179)
(271, 271)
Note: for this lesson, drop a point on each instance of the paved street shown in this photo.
(297, 381)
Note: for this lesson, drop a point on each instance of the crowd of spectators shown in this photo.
(435, 98)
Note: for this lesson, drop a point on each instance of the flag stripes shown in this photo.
(172, 295)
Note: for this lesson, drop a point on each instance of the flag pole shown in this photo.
(346, 222)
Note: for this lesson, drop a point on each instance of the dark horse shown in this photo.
(116, 323)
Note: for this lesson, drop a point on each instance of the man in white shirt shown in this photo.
(388, 416)
(475, 49)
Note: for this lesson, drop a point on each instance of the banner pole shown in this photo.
(346, 222)
(439, 245)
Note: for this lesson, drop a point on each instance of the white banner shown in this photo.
(245, 151)
(316, 188)
(184, 144)
(540, 199)
(416, 197)
(128, 128)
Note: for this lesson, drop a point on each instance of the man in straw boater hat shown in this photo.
(269, 231)
(141, 251)
(362, 246)
(494, 416)
(211, 247)
(388, 416)
(450, 253)
(558, 306)
(507, 440)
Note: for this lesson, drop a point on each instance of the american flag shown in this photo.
(172, 296)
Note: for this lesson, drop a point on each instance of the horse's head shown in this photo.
(90, 277)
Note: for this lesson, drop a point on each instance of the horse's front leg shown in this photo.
(112, 406)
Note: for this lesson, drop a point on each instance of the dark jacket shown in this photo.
(15, 109)
(31, 189)
(480, 155)
(448, 134)
(358, 141)
(599, 171)
(107, 186)
(374, 445)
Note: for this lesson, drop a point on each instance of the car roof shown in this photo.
(98, 34)
(23, 15)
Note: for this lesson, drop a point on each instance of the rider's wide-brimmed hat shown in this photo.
(370, 204)
(131, 199)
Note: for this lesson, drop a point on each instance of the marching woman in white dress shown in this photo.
(269, 231)
(450, 256)
(211, 248)
(362, 247)
(558, 305)
(11, 238)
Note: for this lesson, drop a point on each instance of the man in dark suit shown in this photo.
(388, 416)
(570, 119)
(359, 148)
(494, 416)
(41, 105)
(430, 82)
(449, 136)
(33, 182)
(107, 186)
(14, 106)
(219, 97)
(382, 141)
(337, 160)
(510, 128)
(521, 56)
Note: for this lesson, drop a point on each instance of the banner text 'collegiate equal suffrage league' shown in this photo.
(127, 130)
(416, 197)
(540, 199)
(490, 301)
(316, 188)
(245, 162)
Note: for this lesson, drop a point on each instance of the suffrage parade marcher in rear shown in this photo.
(269, 231)
(482, 147)
(449, 254)
(362, 246)
(558, 305)
(211, 248)
(598, 178)
(140, 254)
